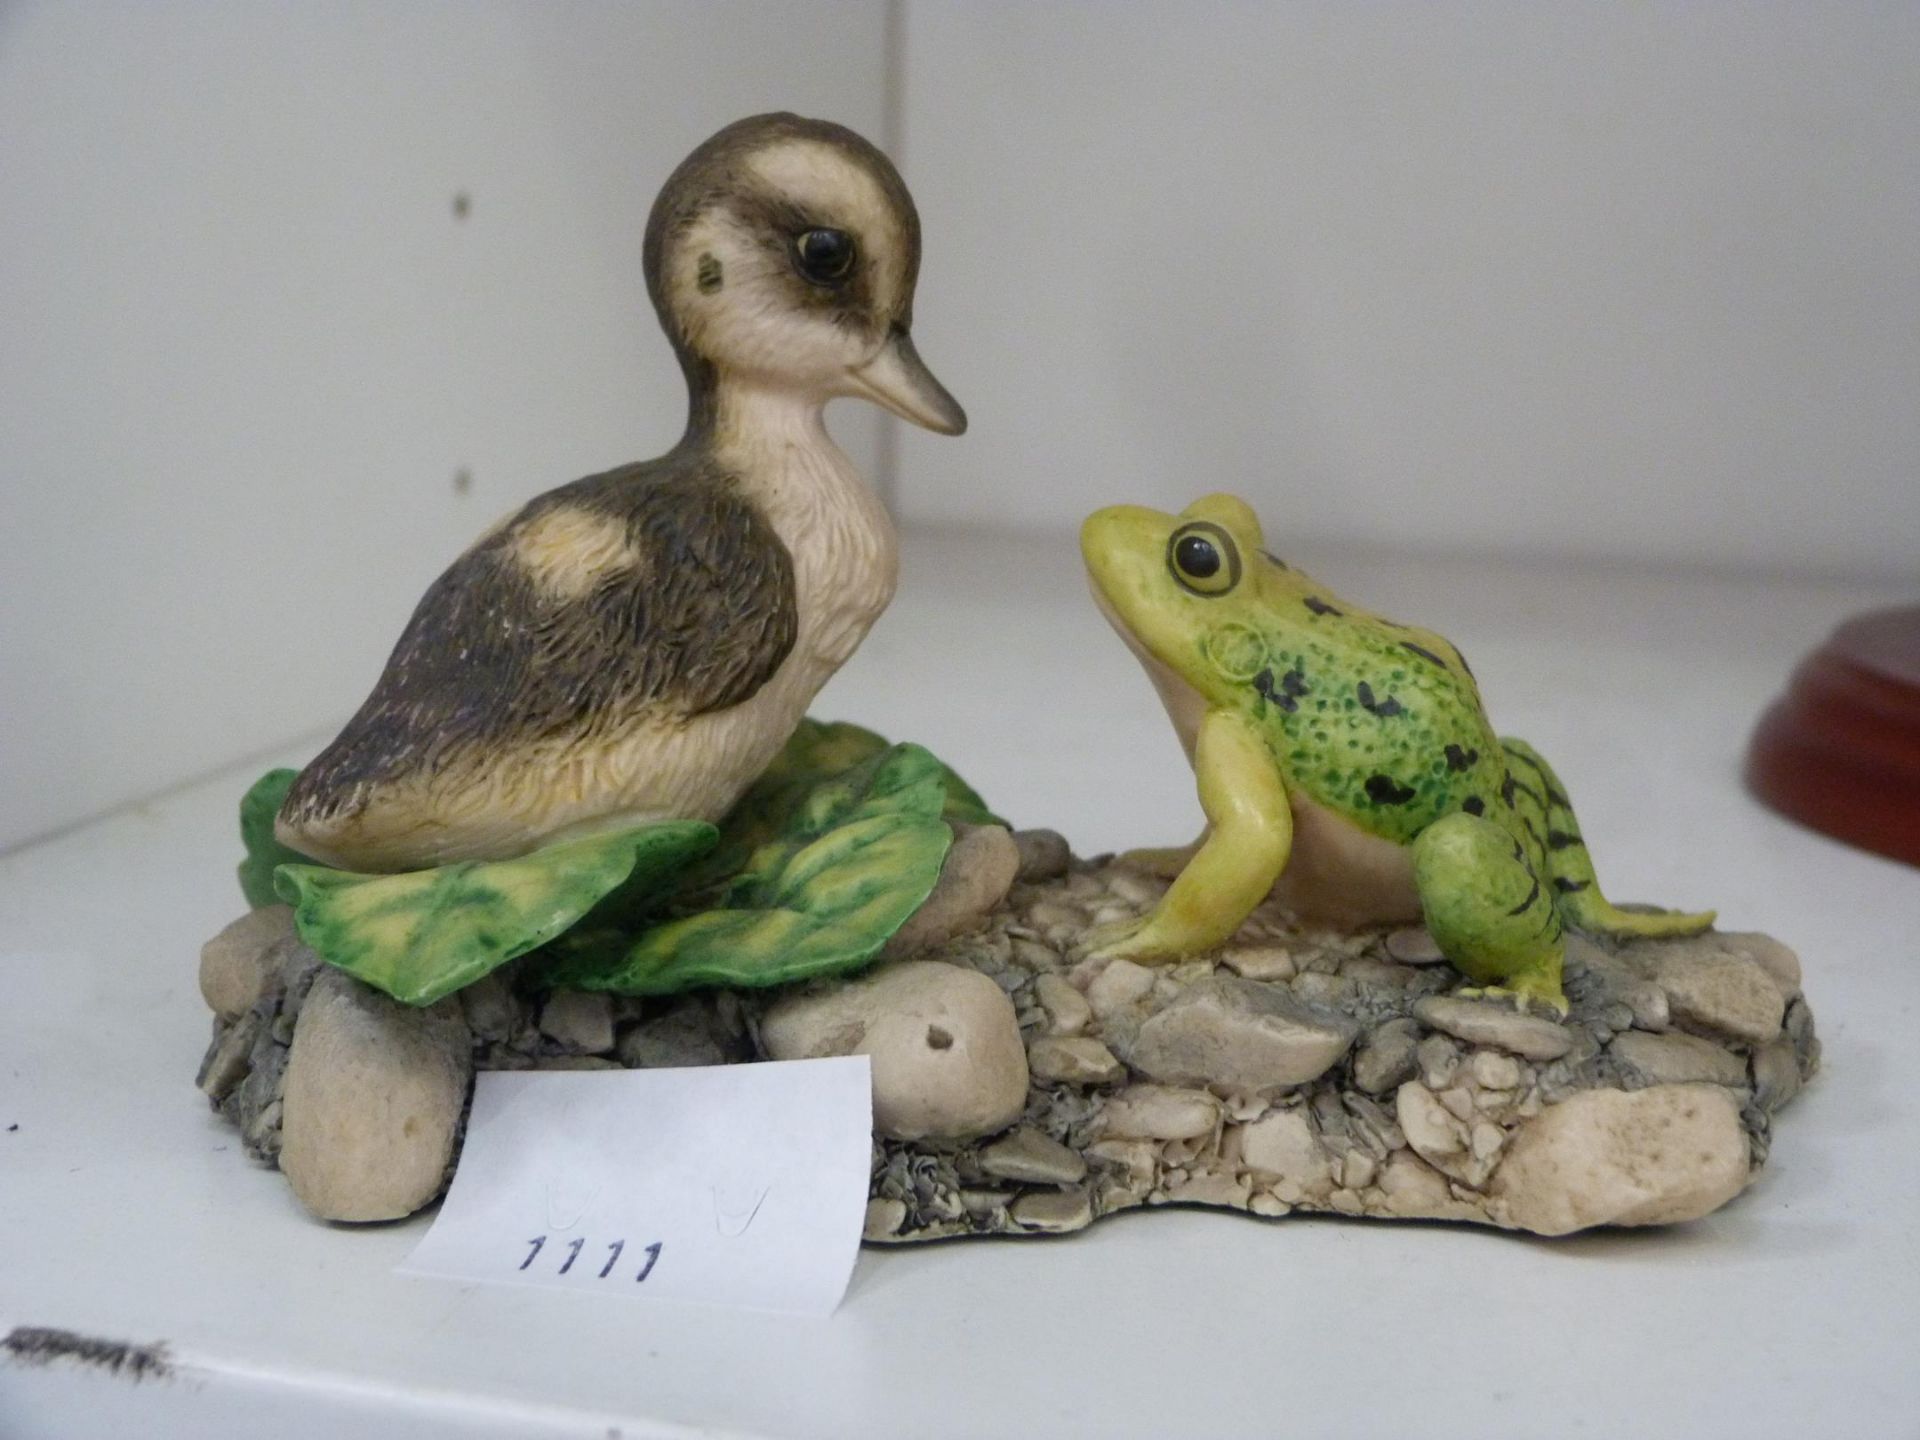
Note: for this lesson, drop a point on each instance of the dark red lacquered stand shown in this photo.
(1840, 751)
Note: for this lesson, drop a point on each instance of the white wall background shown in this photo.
(1628, 280)
(245, 344)
(1636, 280)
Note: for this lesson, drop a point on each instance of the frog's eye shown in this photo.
(1204, 559)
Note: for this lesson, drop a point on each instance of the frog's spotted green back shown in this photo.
(1379, 721)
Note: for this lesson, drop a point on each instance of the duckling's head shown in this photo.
(783, 253)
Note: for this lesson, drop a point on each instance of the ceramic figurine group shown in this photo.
(636, 648)
(590, 752)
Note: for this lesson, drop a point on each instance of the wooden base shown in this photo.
(1840, 751)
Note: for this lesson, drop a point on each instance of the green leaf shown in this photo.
(264, 853)
(425, 934)
(824, 747)
(823, 871)
(964, 803)
(818, 750)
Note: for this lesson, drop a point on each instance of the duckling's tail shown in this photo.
(1570, 869)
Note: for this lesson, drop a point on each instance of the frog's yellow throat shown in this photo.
(1127, 550)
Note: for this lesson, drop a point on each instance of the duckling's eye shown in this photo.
(1204, 559)
(823, 256)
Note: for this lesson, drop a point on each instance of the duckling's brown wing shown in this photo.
(653, 589)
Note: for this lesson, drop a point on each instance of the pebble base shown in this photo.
(1297, 1070)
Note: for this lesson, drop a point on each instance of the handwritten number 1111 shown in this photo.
(574, 1247)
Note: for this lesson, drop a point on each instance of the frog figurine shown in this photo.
(1344, 763)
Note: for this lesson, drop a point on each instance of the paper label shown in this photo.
(725, 1185)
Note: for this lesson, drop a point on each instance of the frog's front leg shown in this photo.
(1488, 911)
(1249, 835)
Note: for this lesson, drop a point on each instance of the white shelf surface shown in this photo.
(128, 1212)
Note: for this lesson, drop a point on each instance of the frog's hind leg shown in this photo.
(1570, 868)
(1488, 910)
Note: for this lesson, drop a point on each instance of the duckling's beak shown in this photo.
(898, 379)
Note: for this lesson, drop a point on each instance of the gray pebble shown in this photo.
(1044, 855)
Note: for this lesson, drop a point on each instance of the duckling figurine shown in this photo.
(638, 645)
(1344, 763)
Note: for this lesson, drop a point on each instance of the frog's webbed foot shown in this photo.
(1595, 914)
(1526, 991)
(1135, 940)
